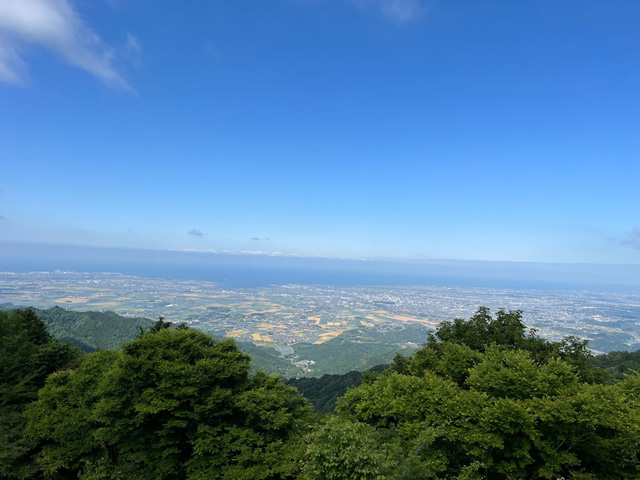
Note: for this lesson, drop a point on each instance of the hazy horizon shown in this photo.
(264, 269)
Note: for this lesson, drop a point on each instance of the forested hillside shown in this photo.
(483, 399)
(360, 349)
(268, 360)
(91, 330)
(323, 392)
(619, 364)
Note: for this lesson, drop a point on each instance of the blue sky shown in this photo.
(494, 130)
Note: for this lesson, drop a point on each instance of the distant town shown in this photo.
(282, 315)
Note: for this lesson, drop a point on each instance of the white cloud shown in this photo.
(397, 11)
(56, 26)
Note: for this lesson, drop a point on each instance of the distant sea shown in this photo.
(250, 271)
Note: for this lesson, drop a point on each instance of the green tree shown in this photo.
(482, 330)
(507, 330)
(28, 354)
(342, 450)
(511, 418)
(485, 399)
(160, 324)
(173, 404)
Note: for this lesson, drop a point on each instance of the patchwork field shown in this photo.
(293, 314)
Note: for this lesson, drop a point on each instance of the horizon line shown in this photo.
(294, 255)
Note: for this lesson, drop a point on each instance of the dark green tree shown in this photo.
(28, 354)
(483, 329)
(173, 404)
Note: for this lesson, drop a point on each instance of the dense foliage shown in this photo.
(619, 364)
(323, 392)
(91, 330)
(28, 354)
(173, 404)
(485, 399)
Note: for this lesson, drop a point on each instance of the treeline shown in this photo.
(357, 349)
(483, 399)
(619, 364)
(91, 331)
(323, 392)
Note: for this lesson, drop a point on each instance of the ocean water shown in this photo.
(247, 271)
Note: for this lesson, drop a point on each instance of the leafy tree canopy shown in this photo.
(173, 404)
(91, 330)
(28, 354)
(485, 399)
(507, 330)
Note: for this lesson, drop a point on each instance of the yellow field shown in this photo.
(237, 333)
(103, 304)
(327, 336)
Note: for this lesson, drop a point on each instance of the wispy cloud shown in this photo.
(133, 50)
(632, 238)
(278, 254)
(12, 69)
(56, 26)
(1, 217)
(195, 233)
(260, 253)
(259, 239)
(397, 11)
(269, 254)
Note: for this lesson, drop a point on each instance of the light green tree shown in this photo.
(484, 399)
(173, 404)
(343, 450)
